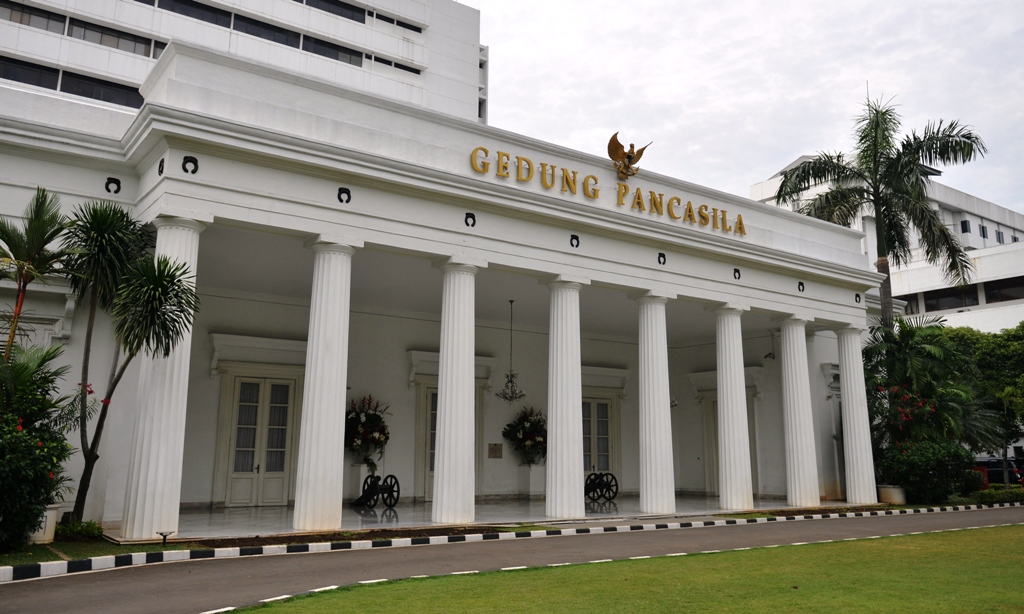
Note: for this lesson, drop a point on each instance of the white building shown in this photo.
(358, 230)
(992, 235)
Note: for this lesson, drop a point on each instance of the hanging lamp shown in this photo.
(511, 392)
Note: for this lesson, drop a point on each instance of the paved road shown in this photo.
(208, 584)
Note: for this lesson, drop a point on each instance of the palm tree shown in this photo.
(25, 254)
(889, 177)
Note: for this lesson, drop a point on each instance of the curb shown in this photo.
(32, 571)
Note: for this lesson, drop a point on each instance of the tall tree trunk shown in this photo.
(18, 306)
(83, 411)
(885, 290)
(83, 485)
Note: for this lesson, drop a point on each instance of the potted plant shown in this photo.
(366, 431)
(528, 434)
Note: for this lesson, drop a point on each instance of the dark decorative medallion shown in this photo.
(574, 240)
(113, 181)
(470, 220)
(344, 195)
(187, 161)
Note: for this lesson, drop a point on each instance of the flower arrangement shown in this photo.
(528, 434)
(366, 431)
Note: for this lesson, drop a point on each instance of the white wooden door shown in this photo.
(711, 445)
(430, 445)
(597, 435)
(260, 471)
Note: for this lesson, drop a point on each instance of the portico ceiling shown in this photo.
(260, 262)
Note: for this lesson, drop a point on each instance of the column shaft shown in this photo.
(657, 481)
(454, 461)
(154, 472)
(798, 421)
(860, 466)
(734, 481)
(321, 462)
(564, 497)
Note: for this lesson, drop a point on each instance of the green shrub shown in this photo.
(79, 531)
(928, 471)
(1014, 494)
(32, 444)
(972, 481)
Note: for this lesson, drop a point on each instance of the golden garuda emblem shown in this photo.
(624, 160)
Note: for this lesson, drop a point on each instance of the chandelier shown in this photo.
(511, 392)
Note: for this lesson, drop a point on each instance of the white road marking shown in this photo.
(278, 598)
(373, 581)
(602, 561)
(558, 564)
(218, 611)
(462, 573)
(637, 558)
(513, 568)
(324, 588)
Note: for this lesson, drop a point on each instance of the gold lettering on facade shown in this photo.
(657, 203)
(546, 180)
(480, 166)
(568, 181)
(522, 163)
(672, 202)
(502, 168)
(638, 200)
(740, 228)
(690, 217)
(702, 215)
(623, 190)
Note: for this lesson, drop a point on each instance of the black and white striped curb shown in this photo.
(57, 568)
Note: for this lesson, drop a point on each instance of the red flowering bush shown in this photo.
(33, 420)
(366, 431)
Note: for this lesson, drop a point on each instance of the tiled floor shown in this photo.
(236, 522)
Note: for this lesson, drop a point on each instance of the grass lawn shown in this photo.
(961, 571)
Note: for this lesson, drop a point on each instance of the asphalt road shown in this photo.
(210, 584)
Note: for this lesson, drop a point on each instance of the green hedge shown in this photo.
(928, 471)
(1006, 495)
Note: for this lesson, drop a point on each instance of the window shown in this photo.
(597, 432)
(342, 9)
(158, 49)
(384, 61)
(32, 17)
(965, 226)
(1015, 239)
(951, 298)
(109, 38)
(149, 2)
(414, 71)
(191, 8)
(913, 308)
(1011, 289)
(408, 26)
(98, 89)
(999, 236)
(330, 50)
(32, 74)
(983, 231)
(266, 31)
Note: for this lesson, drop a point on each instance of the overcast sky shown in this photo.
(732, 91)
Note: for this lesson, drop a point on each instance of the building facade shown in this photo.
(349, 241)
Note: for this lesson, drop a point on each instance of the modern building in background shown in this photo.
(994, 239)
(356, 229)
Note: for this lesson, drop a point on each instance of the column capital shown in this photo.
(465, 261)
(850, 330)
(336, 248)
(728, 310)
(651, 296)
(792, 320)
(166, 221)
(579, 280)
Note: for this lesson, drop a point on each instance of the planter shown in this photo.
(45, 533)
(892, 494)
(532, 481)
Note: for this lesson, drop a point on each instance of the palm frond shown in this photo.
(943, 143)
(154, 306)
(941, 246)
(875, 132)
(840, 205)
(823, 168)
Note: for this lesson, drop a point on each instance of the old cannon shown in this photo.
(375, 488)
(601, 486)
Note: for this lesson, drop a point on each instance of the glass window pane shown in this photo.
(586, 428)
(602, 445)
(602, 411)
(245, 437)
(602, 462)
(602, 428)
(275, 461)
(247, 415)
(586, 461)
(279, 394)
(249, 392)
(276, 439)
(244, 460)
(278, 415)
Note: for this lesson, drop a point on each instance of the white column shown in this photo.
(564, 498)
(454, 461)
(860, 467)
(657, 481)
(154, 471)
(797, 418)
(321, 462)
(735, 490)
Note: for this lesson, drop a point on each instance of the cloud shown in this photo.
(733, 92)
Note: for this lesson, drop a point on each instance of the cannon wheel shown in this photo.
(611, 487)
(592, 486)
(390, 490)
(368, 485)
